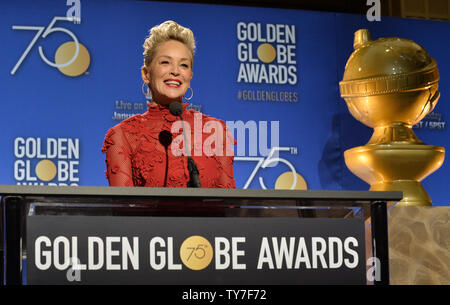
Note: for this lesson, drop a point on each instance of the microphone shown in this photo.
(176, 109)
(165, 138)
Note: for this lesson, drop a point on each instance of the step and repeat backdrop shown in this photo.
(70, 70)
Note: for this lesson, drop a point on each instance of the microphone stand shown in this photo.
(165, 138)
(194, 181)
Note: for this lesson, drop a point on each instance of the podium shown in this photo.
(168, 236)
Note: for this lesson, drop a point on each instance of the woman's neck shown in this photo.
(164, 104)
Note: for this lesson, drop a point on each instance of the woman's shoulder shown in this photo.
(133, 123)
(125, 129)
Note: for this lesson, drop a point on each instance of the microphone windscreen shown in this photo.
(165, 138)
(176, 108)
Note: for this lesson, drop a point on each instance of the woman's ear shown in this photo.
(145, 74)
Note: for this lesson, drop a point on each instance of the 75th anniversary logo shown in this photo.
(71, 58)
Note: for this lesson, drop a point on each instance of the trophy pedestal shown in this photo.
(395, 166)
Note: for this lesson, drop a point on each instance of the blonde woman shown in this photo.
(136, 152)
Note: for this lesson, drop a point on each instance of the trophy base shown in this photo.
(413, 192)
(396, 167)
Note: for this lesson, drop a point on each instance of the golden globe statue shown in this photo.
(390, 84)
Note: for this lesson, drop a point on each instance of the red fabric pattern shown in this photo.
(135, 157)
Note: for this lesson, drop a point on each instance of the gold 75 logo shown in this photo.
(71, 58)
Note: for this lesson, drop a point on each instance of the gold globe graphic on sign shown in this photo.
(196, 252)
(45, 170)
(285, 180)
(266, 53)
(65, 53)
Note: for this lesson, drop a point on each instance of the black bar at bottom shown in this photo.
(2, 257)
(12, 233)
(380, 240)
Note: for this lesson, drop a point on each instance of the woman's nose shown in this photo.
(174, 70)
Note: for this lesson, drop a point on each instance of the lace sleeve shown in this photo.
(118, 162)
(226, 179)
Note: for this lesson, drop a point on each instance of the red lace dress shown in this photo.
(135, 156)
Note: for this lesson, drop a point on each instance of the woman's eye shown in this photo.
(185, 65)
(164, 62)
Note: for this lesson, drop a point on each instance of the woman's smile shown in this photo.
(173, 83)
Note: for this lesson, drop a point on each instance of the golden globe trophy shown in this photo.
(390, 84)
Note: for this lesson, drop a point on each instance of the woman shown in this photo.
(137, 154)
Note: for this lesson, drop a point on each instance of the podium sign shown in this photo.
(163, 236)
(194, 250)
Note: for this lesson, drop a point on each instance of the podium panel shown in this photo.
(161, 236)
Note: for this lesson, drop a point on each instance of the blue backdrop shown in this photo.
(274, 71)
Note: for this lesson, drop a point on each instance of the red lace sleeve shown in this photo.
(118, 161)
(226, 179)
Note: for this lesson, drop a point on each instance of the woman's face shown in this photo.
(170, 72)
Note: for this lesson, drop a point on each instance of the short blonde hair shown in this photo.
(168, 30)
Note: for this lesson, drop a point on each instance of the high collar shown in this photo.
(157, 110)
(158, 107)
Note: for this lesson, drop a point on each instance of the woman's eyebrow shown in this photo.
(170, 57)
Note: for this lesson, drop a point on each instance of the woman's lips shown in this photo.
(173, 83)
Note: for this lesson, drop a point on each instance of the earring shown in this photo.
(147, 94)
(192, 94)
